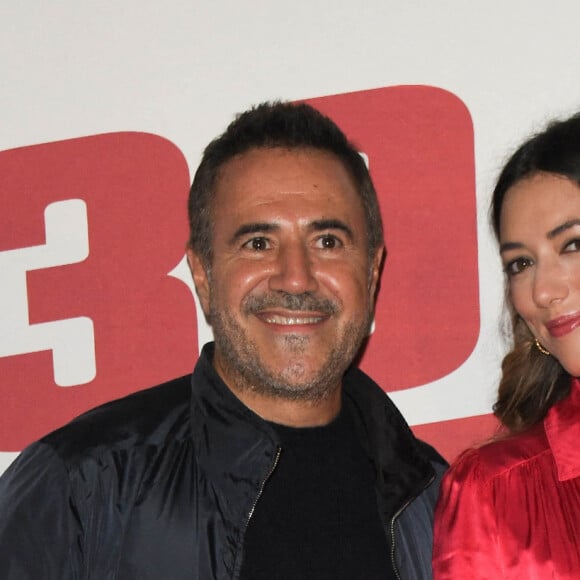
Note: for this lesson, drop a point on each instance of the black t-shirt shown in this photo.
(317, 518)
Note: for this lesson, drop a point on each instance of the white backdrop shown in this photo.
(182, 69)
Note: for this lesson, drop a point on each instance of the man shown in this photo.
(276, 459)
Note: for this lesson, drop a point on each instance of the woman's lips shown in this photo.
(563, 325)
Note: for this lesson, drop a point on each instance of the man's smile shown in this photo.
(291, 319)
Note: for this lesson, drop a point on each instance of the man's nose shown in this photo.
(295, 270)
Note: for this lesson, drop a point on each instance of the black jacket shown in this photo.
(160, 485)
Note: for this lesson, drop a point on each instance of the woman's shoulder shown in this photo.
(485, 463)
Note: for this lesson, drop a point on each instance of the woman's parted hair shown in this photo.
(532, 382)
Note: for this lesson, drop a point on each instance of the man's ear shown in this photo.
(200, 279)
(376, 268)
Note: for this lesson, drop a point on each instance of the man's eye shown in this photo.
(517, 266)
(257, 244)
(328, 242)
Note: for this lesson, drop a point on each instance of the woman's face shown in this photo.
(540, 250)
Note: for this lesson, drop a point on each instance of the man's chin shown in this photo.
(293, 344)
(297, 382)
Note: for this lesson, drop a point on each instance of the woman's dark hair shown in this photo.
(531, 381)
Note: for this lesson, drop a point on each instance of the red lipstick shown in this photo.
(563, 325)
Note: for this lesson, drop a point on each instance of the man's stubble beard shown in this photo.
(242, 361)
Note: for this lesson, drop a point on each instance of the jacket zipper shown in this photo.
(392, 532)
(392, 526)
(260, 492)
(263, 484)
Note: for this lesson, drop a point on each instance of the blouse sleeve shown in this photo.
(465, 535)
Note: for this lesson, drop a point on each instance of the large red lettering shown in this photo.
(126, 193)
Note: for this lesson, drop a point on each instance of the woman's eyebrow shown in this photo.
(562, 228)
(507, 246)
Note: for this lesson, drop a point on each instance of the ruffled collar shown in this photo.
(562, 426)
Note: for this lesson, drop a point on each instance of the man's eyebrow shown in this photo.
(254, 228)
(331, 224)
(507, 246)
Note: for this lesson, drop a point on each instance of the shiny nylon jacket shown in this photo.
(160, 485)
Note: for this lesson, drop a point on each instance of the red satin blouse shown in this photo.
(511, 509)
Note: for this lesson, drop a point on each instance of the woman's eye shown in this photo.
(572, 246)
(257, 244)
(517, 266)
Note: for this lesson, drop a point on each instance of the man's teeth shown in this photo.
(292, 320)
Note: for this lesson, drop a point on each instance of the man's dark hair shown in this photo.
(272, 125)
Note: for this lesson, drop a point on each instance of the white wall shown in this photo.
(181, 69)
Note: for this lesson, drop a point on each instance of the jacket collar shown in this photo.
(402, 468)
(230, 439)
(234, 452)
(237, 448)
(562, 426)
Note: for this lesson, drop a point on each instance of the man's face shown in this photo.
(291, 286)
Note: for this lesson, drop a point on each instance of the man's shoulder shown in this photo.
(145, 417)
(363, 388)
(374, 401)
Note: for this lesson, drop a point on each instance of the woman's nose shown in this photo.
(550, 283)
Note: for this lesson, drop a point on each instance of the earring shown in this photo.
(541, 348)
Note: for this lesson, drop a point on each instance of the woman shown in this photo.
(511, 509)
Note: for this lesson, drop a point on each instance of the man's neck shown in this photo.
(293, 413)
(307, 408)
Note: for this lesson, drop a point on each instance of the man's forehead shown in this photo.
(277, 184)
(257, 155)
